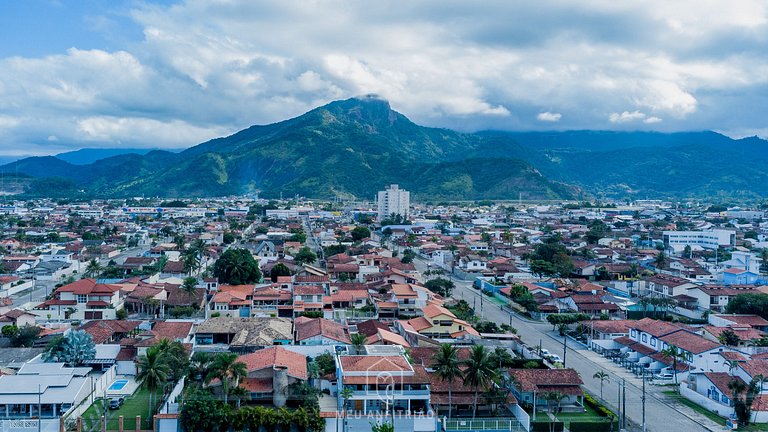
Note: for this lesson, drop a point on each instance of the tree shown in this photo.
(440, 286)
(359, 233)
(305, 256)
(603, 377)
(200, 365)
(73, 349)
(742, 406)
(200, 413)
(501, 358)
(661, 260)
(93, 268)
(479, 372)
(230, 371)
(408, 256)
(191, 260)
(26, 336)
(447, 368)
(729, 338)
(278, 270)
(358, 341)
(553, 399)
(228, 237)
(236, 267)
(153, 371)
(189, 286)
(676, 355)
(749, 303)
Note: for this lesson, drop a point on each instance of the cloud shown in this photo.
(549, 117)
(626, 116)
(203, 68)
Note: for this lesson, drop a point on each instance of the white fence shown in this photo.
(521, 415)
(29, 425)
(170, 406)
(705, 402)
(17, 288)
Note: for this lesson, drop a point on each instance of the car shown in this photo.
(116, 402)
(545, 353)
(663, 376)
(554, 358)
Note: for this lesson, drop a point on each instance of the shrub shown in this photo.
(215, 314)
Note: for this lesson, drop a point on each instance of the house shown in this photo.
(473, 263)
(18, 318)
(438, 322)
(83, 300)
(368, 374)
(668, 286)
(320, 331)
(530, 384)
(245, 334)
(754, 321)
(43, 390)
(737, 276)
(270, 373)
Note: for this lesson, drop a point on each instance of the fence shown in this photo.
(170, 406)
(489, 424)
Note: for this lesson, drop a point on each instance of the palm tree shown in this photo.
(191, 260)
(189, 286)
(502, 357)
(93, 269)
(199, 365)
(553, 399)
(230, 371)
(446, 365)
(479, 371)
(603, 377)
(661, 260)
(675, 354)
(358, 342)
(154, 371)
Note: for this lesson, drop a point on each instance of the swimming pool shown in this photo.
(117, 385)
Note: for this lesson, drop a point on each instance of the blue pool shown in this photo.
(117, 385)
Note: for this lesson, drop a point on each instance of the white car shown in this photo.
(664, 376)
(554, 358)
(545, 353)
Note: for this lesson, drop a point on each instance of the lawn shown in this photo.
(136, 405)
(590, 415)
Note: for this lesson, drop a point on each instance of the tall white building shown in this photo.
(712, 239)
(393, 200)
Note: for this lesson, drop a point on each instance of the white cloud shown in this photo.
(549, 117)
(626, 116)
(204, 68)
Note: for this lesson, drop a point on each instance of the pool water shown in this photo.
(117, 385)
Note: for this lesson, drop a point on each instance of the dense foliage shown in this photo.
(237, 267)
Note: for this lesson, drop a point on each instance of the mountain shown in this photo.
(648, 164)
(349, 148)
(87, 156)
(354, 147)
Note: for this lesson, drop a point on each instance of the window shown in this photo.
(653, 341)
(645, 338)
(633, 333)
(82, 298)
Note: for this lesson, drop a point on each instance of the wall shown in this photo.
(15, 289)
(705, 402)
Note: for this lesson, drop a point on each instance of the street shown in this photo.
(659, 414)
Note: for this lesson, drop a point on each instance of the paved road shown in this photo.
(660, 415)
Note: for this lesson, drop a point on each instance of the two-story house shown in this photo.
(85, 299)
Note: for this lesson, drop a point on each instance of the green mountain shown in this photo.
(648, 164)
(352, 147)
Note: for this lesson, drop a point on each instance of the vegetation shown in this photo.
(440, 286)
(305, 256)
(202, 413)
(73, 349)
(447, 368)
(480, 371)
(237, 267)
(749, 303)
(278, 270)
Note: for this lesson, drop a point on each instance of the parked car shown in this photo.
(545, 353)
(664, 376)
(554, 358)
(116, 402)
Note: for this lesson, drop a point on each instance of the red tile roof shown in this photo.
(546, 379)
(307, 328)
(276, 356)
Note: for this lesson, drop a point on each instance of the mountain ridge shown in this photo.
(354, 147)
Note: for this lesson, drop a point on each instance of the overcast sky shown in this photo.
(109, 73)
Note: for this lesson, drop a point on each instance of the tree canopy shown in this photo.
(237, 267)
(749, 303)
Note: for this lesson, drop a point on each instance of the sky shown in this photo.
(171, 74)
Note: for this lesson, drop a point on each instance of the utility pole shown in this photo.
(565, 345)
(624, 402)
(618, 401)
(644, 400)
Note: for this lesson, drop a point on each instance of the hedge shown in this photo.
(604, 426)
(546, 426)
